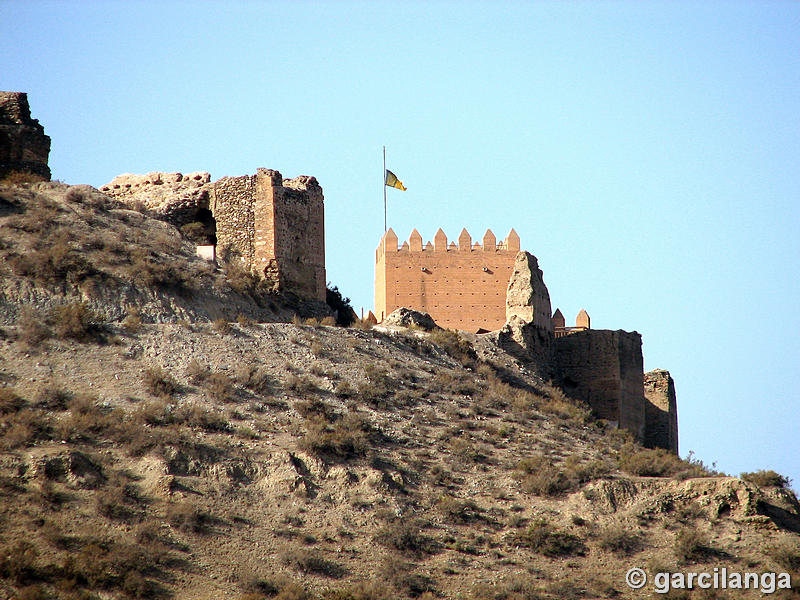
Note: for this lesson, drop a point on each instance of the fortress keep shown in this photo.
(461, 286)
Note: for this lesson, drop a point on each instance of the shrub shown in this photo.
(132, 321)
(407, 537)
(160, 383)
(222, 326)
(619, 540)
(311, 562)
(31, 328)
(76, 321)
(657, 462)
(190, 518)
(455, 346)
(256, 379)
(345, 315)
(219, 387)
(691, 544)
(10, 401)
(346, 438)
(786, 554)
(196, 372)
(52, 397)
(543, 538)
(18, 178)
(764, 478)
(538, 475)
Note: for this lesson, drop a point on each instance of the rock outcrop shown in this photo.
(528, 332)
(406, 317)
(24, 147)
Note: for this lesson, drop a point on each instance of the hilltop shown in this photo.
(170, 429)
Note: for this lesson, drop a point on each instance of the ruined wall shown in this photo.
(232, 204)
(661, 411)
(462, 286)
(23, 143)
(605, 369)
(276, 226)
(173, 197)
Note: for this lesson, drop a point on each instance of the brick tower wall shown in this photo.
(661, 411)
(461, 286)
(605, 369)
(277, 227)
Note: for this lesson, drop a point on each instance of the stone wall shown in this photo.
(605, 369)
(277, 227)
(173, 197)
(23, 143)
(462, 286)
(661, 411)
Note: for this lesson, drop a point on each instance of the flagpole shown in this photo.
(385, 228)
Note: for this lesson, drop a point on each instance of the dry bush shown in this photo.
(657, 462)
(24, 428)
(256, 379)
(362, 324)
(543, 538)
(764, 478)
(55, 263)
(10, 401)
(191, 519)
(407, 537)
(308, 561)
(132, 322)
(455, 346)
(786, 554)
(538, 475)
(31, 328)
(691, 545)
(76, 321)
(222, 326)
(456, 510)
(244, 321)
(328, 322)
(240, 279)
(347, 438)
(205, 419)
(219, 387)
(160, 383)
(197, 372)
(300, 384)
(620, 540)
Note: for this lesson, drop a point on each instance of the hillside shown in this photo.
(165, 435)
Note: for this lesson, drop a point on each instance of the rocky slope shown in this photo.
(277, 460)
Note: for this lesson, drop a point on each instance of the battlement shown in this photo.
(440, 243)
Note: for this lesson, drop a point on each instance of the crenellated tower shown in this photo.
(461, 285)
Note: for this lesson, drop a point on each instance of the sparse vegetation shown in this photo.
(543, 538)
(767, 479)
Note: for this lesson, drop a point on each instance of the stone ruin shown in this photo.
(24, 147)
(274, 226)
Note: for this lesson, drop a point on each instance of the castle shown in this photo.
(495, 287)
(275, 227)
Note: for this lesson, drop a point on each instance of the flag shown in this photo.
(393, 181)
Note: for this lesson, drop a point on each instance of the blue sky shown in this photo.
(647, 153)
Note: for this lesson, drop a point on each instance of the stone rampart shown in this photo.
(462, 286)
(661, 411)
(24, 147)
(605, 369)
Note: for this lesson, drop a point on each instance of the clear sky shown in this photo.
(647, 153)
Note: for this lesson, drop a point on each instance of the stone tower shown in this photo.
(23, 145)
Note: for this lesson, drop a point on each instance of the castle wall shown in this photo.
(232, 204)
(605, 369)
(461, 286)
(276, 226)
(23, 144)
(661, 411)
